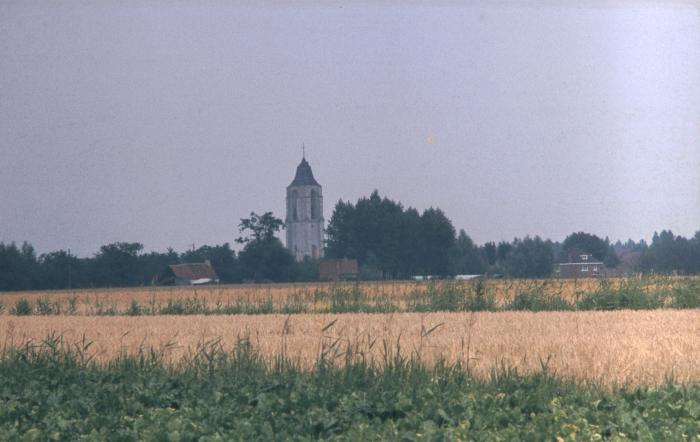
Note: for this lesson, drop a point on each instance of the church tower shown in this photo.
(304, 214)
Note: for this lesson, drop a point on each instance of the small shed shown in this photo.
(190, 274)
(338, 269)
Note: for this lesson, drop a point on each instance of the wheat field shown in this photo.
(607, 348)
(92, 301)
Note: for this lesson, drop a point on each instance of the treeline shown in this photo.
(391, 241)
(124, 264)
(388, 240)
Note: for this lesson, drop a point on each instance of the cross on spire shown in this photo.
(303, 150)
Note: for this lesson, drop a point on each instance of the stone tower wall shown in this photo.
(304, 228)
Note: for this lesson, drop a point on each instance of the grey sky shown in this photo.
(166, 122)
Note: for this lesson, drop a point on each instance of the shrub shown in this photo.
(687, 295)
(630, 294)
(134, 308)
(22, 308)
(46, 307)
(479, 299)
(537, 301)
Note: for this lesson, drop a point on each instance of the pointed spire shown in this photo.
(304, 175)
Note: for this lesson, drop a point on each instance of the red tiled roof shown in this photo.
(194, 271)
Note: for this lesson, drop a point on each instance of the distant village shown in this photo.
(305, 228)
(405, 245)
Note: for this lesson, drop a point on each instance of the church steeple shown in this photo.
(304, 221)
(304, 175)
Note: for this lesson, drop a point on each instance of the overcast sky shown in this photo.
(166, 122)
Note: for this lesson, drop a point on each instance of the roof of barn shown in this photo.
(193, 271)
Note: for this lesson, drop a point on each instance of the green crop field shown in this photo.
(52, 392)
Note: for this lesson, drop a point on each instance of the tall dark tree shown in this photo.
(468, 259)
(18, 267)
(669, 254)
(341, 232)
(61, 270)
(694, 264)
(488, 253)
(503, 251)
(530, 258)
(438, 239)
(389, 240)
(117, 265)
(410, 245)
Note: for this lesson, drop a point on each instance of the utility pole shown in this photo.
(69, 271)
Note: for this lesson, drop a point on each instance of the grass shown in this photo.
(53, 390)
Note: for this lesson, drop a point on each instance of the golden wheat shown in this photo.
(88, 301)
(623, 347)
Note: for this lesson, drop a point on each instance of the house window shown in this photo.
(595, 269)
(584, 268)
(584, 257)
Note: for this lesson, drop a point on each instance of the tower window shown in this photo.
(293, 206)
(314, 204)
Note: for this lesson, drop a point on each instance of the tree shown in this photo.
(116, 265)
(488, 253)
(60, 270)
(410, 244)
(530, 258)
(390, 241)
(669, 254)
(18, 267)
(438, 239)
(467, 258)
(584, 243)
(340, 232)
(261, 227)
(263, 257)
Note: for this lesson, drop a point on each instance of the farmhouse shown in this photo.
(584, 266)
(189, 274)
(338, 269)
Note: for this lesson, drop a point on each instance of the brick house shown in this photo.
(583, 266)
(338, 269)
